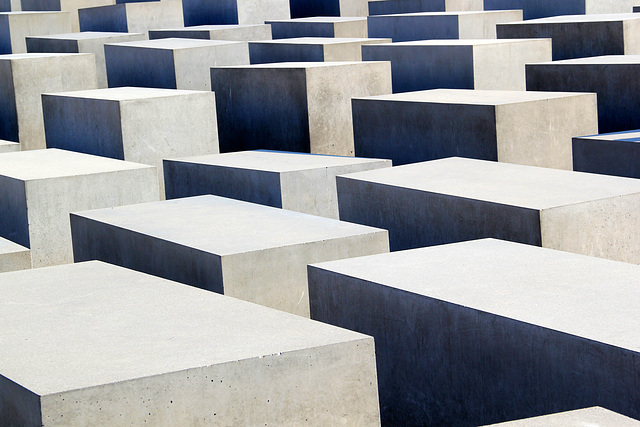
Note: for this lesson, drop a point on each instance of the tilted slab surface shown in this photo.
(242, 12)
(319, 26)
(533, 9)
(594, 416)
(13, 256)
(216, 32)
(309, 49)
(390, 7)
(312, 8)
(9, 146)
(15, 26)
(611, 154)
(138, 17)
(70, 6)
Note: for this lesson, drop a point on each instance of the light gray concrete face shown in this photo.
(533, 9)
(216, 32)
(137, 17)
(391, 7)
(614, 78)
(39, 188)
(531, 128)
(610, 154)
(86, 42)
(299, 182)
(489, 331)
(459, 64)
(243, 12)
(13, 256)
(311, 8)
(309, 49)
(440, 25)
(580, 36)
(293, 106)
(139, 125)
(171, 63)
(244, 250)
(96, 344)
(594, 416)
(9, 146)
(16, 26)
(70, 6)
(24, 77)
(319, 26)
(456, 199)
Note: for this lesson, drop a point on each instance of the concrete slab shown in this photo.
(594, 416)
(440, 25)
(533, 128)
(456, 199)
(610, 154)
(39, 189)
(319, 26)
(15, 26)
(216, 32)
(137, 17)
(157, 352)
(299, 182)
(71, 6)
(248, 251)
(488, 331)
(175, 63)
(86, 42)
(309, 49)
(10, 6)
(9, 146)
(13, 256)
(293, 106)
(579, 36)
(533, 9)
(459, 64)
(243, 12)
(391, 7)
(311, 8)
(24, 77)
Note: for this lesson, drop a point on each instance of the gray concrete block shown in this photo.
(24, 77)
(243, 12)
(614, 78)
(531, 128)
(16, 26)
(137, 17)
(71, 6)
(391, 7)
(171, 63)
(594, 416)
(309, 49)
(86, 42)
(299, 182)
(533, 9)
(459, 64)
(10, 6)
(216, 32)
(244, 250)
(41, 187)
(580, 36)
(311, 8)
(456, 199)
(440, 25)
(319, 26)
(13, 256)
(293, 106)
(636, 9)
(139, 125)
(488, 331)
(9, 146)
(96, 344)
(610, 154)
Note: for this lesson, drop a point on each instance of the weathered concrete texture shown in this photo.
(533, 9)
(299, 182)
(610, 154)
(319, 26)
(455, 199)
(15, 26)
(579, 36)
(137, 17)
(294, 106)
(594, 416)
(86, 42)
(216, 32)
(531, 128)
(440, 25)
(175, 63)
(24, 77)
(244, 250)
(311, 8)
(459, 64)
(616, 80)
(489, 331)
(70, 6)
(39, 188)
(96, 344)
(13, 256)
(9, 146)
(309, 49)
(243, 12)
(390, 7)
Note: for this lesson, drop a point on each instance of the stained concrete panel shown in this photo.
(489, 331)
(533, 9)
(16, 26)
(459, 64)
(456, 199)
(533, 128)
(311, 8)
(243, 12)
(139, 17)
(594, 416)
(610, 154)
(299, 182)
(293, 106)
(174, 63)
(319, 26)
(96, 344)
(70, 6)
(216, 32)
(9, 146)
(24, 77)
(244, 250)
(39, 188)
(13, 256)
(391, 7)
(440, 25)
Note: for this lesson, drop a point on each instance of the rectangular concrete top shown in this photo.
(505, 183)
(319, 19)
(597, 60)
(584, 296)
(54, 163)
(17, 13)
(589, 417)
(125, 93)
(27, 56)
(320, 40)
(629, 136)
(85, 35)
(300, 65)
(461, 42)
(225, 226)
(447, 13)
(276, 161)
(7, 247)
(567, 19)
(210, 27)
(82, 325)
(176, 43)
